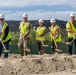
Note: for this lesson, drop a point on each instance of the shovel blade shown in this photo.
(68, 43)
(58, 50)
(28, 50)
(45, 45)
(6, 51)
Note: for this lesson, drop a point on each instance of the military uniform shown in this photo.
(23, 43)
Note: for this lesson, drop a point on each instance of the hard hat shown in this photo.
(2, 16)
(24, 15)
(72, 14)
(52, 20)
(41, 20)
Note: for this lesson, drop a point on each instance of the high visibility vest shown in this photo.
(40, 31)
(53, 34)
(3, 31)
(70, 27)
(24, 28)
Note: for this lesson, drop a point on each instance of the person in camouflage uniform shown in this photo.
(25, 28)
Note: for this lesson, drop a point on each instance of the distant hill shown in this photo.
(14, 25)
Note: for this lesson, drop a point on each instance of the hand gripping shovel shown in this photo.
(69, 43)
(57, 50)
(4, 47)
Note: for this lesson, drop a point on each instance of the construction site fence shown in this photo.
(34, 49)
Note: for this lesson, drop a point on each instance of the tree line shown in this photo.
(15, 37)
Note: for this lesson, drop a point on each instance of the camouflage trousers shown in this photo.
(22, 45)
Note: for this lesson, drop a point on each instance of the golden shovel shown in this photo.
(56, 49)
(4, 47)
(70, 43)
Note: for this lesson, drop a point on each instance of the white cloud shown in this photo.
(5, 12)
(23, 3)
(35, 15)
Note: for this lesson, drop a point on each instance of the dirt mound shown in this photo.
(38, 64)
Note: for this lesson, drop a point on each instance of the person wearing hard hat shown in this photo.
(25, 28)
(71, 31)
(5, 36)
(55, 34)
(41, 36)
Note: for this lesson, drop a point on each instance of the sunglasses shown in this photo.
(1, 19)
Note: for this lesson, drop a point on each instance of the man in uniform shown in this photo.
(25, 28)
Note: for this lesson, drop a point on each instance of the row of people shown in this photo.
(41, 31)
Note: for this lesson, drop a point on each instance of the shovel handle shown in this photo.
(41, 41)
(24, 47)
(55, 44)
(3, 45)
(72, 40)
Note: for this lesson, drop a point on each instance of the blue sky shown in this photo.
(36, 9)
